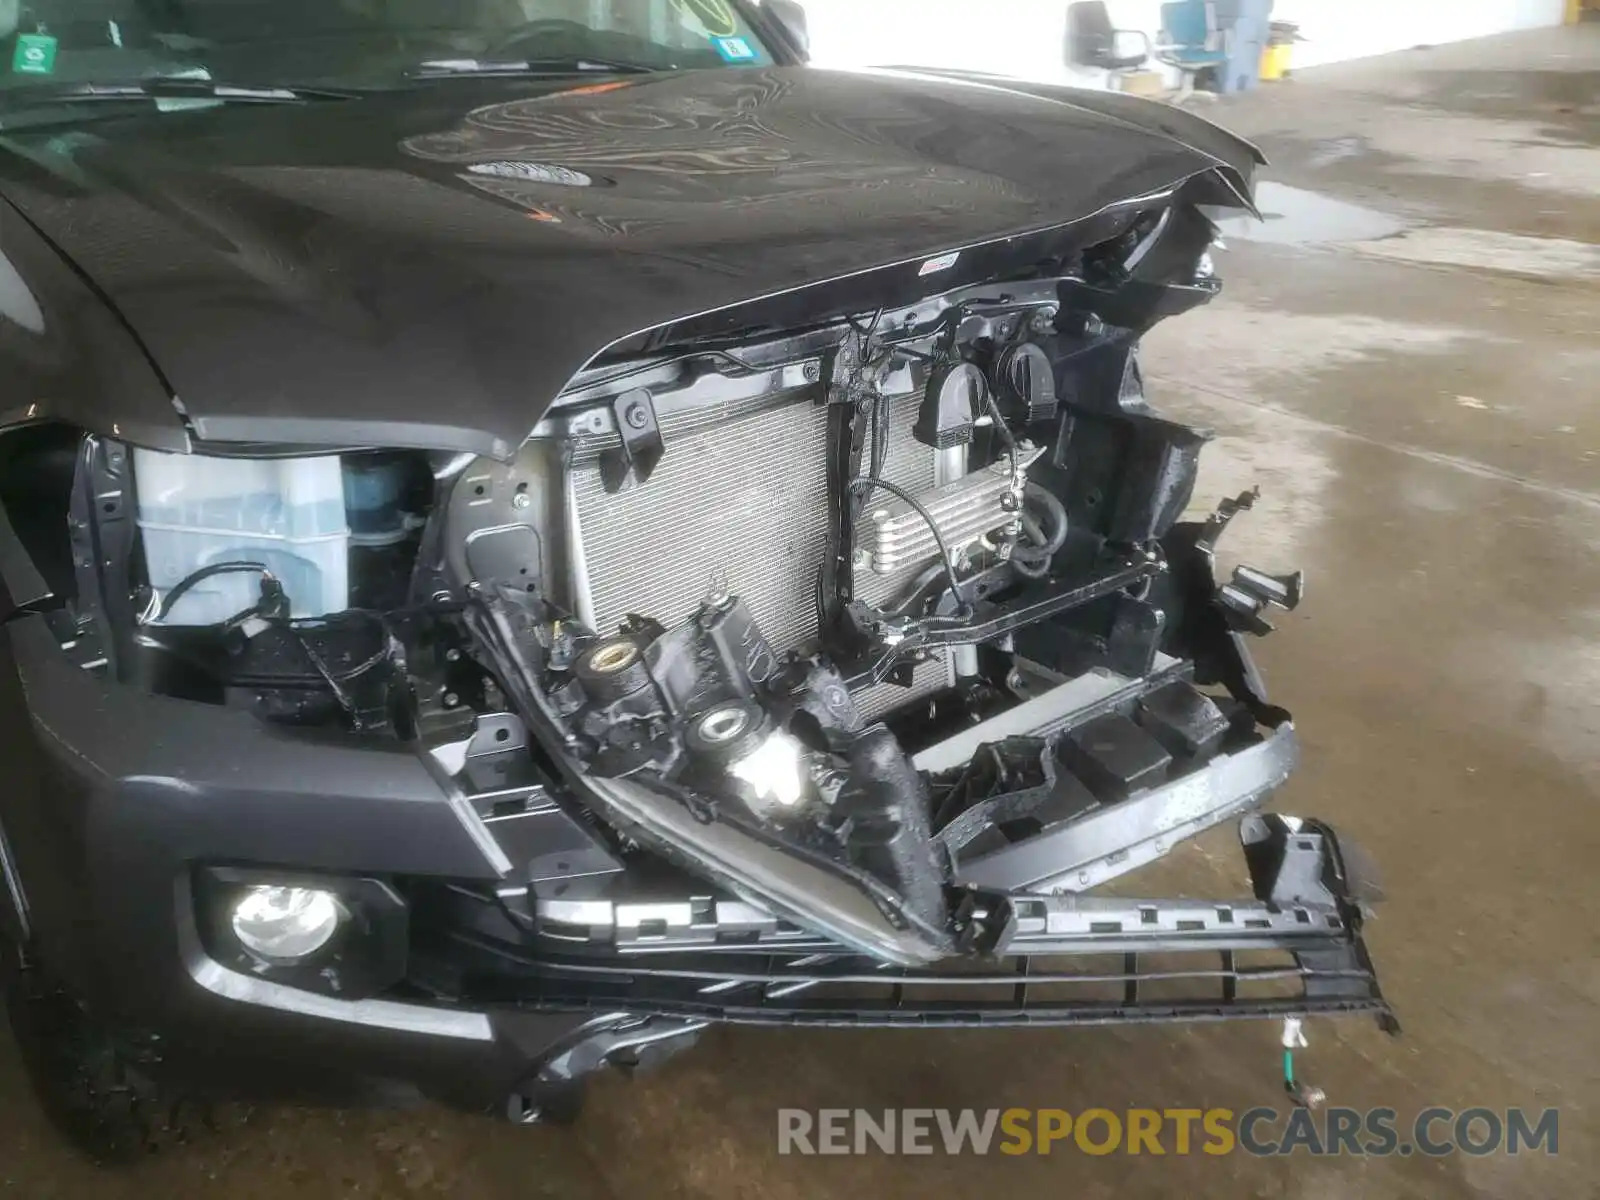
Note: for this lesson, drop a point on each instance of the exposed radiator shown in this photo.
(738, 501)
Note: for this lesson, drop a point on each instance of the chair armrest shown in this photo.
(1135, 33)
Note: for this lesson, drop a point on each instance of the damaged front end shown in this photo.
(950, 658)
(803, 670)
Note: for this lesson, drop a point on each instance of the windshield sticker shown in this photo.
(734, 49)
(35, 54)
(713, 16)
(943, 263)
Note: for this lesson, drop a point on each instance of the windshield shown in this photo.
(358, 42)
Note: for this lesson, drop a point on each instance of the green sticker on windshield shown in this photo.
(35, 54)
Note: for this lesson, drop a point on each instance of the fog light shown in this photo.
(285, 923)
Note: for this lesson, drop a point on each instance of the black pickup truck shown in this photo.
(522, 537)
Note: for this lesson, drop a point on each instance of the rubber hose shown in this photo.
(1033, 562)
(1057, 510)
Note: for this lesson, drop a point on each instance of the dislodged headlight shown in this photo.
(770, 763)
(774, 770)
(284, 924)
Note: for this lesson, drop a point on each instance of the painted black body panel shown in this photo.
(65, 355)
(406, 268)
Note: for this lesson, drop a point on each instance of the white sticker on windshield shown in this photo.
(943, 263)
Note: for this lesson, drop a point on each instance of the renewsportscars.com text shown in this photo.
(1374, 1132)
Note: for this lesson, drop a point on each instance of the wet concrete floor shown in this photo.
(1425, 428)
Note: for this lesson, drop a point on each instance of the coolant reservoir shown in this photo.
(287, 514)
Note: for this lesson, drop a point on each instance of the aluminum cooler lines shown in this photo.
(896, 537)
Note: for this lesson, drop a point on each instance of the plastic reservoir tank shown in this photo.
(287, 514)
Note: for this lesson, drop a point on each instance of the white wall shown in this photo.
(1010, 37)
(1022, 38)
(1025, 37)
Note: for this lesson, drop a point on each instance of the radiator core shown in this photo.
(738, 502)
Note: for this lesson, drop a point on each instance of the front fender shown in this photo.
(65, 354)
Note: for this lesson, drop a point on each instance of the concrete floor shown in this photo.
(1422, 412)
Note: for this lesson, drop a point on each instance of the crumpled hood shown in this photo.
(430, 267)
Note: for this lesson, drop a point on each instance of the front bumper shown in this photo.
(1293, 949)
(119, 795)
(114, 795)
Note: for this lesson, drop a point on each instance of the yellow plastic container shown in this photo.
(1275, 61)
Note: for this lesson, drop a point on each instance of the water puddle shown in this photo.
(1491, 250)
(1292, 216)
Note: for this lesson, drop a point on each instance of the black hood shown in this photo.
(431, 266)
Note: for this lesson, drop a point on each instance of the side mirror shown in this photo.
(791, 14)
